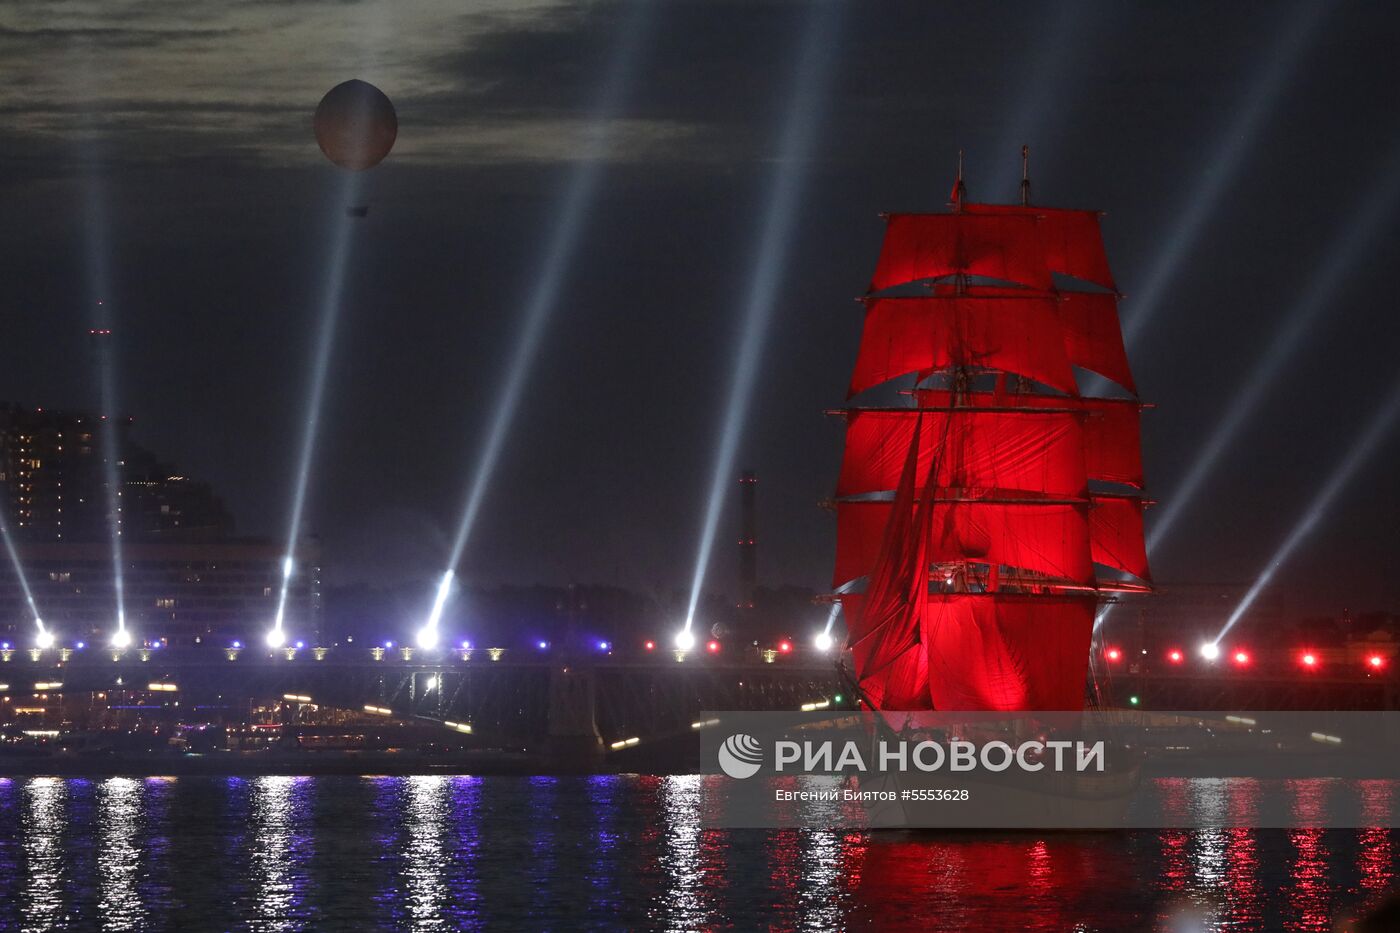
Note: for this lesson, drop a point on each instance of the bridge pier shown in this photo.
(573, 716)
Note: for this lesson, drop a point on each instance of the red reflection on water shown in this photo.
(1243, 906)
(973, 881)
(1309, 897)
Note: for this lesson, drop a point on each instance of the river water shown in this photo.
(448, 853)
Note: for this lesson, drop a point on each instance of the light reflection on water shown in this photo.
(120, 815)
(427, 818)
(278, 851)
(46, 867)
(446, 853)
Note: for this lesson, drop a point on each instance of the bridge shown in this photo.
(594, 703)
(496, 696)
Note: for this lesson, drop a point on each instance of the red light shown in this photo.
(651, 646)
(1174, 656)
(784, 646)
(1308, 659)
(1376, 661)
(713, 647)
(1241, 658)
(1113, 654)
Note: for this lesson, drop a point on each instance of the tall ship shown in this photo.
(991, 498)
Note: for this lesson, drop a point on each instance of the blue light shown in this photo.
(80, 646)
(238, 644)
(4, 646)
(388, 644)
(603, 646)
(301, 644)
(466, 646)
(543, 645)
(775, 235)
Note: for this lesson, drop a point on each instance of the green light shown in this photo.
(837, 698)
(1133, 700)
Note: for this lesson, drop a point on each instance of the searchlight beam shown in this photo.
(809, 88)
(339, 259)
(1226, 160)
(1348, 246)
(579, 195)
(1376, 431)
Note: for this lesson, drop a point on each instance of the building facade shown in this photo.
(185, 577)
(184, 593)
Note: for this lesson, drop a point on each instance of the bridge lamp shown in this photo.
(44, 640)
(824, 641)
(276, 638)
(685, 639)
(121, 638)
(427, 637)
(1210, 651)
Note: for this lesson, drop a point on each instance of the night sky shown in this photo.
(183, 131)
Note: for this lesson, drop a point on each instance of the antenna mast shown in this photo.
(959, 189)
(1025, 176)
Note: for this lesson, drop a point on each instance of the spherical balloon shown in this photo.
(719, 630)
(356, 125)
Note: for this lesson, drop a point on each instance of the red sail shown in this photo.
(1071, 240)
(1111, 427)
(998, 491)
(892, 662)
(1006, 651)
(1115, 530)
(1031, 451)
(920, 335)
(1008, 248)
(1044, 537)
(884, 628)
(1094, 337)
